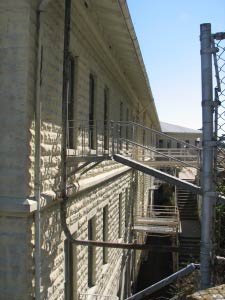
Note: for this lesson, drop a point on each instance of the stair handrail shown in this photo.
(162, 154)
(158, 132)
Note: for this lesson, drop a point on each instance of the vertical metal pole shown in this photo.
(64, 96)
(37, 172)
(207, 164)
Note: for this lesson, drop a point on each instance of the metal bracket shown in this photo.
(212, 194)
(210, 143)
(210, 50)
(207, 103)
(219, 36)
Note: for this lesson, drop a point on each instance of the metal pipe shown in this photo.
(164, 282)
(64, 97)
(207, 165)
(37, 173)
(135, 246)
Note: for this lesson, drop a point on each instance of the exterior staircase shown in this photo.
(191, 250)
(187, 204)
(189, 237)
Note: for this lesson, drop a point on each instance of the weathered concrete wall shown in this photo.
(17, 78)
(16, 258)
(16, 109)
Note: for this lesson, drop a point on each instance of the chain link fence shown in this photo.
(218, 48)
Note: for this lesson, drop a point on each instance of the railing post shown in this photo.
(207, 165)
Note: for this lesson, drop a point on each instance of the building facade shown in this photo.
(188, 135)
(101, 72)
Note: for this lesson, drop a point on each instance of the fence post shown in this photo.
(207, 160)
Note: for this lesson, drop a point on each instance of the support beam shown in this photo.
(156, 173)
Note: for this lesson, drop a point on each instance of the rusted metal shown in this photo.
(134, 246)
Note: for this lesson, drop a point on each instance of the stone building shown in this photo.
(100, 77)
(190, 136)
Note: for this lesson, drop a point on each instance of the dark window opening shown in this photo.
(160, 143)
(106, 119)
(168, 144)
(127, 129)
(91, 110)
(121, 119)
(120, 216)
(70, 103)
(91, 253)
(105, 233)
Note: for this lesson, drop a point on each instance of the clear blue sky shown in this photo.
(168, 33)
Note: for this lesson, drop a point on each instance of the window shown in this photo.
(178, 145)
(106, 119)
(91, 254)
(160, 143)
(91, 110)
(120, 216)
(168, 144)
(127, 129)
(121, 119)
(70, 103)
(144, 133)
(70, 270)
(127, 209)
(105, 233)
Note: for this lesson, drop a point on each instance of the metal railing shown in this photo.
(88, 138)
(158, 211)
(86, 296)
(101, 138)
(159, 218)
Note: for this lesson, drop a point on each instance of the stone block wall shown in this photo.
(15, 103)
(16, 258)
(88, 203)
(90, 191)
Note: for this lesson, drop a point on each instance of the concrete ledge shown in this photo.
(101, 178)
(17, 206)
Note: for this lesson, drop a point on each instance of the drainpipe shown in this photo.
(64, 196)
(37, 186)
(37, 173)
